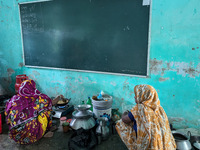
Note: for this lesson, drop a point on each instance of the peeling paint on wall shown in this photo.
(113, 83)
(163, 79)
(10, 71)
(178, 122)
(197, 106)
(155, 66)
(126, 85)
(21, 64)
(36, 73)
(181, 68)
(184, 69)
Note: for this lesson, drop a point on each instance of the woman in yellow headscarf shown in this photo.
(146, 126)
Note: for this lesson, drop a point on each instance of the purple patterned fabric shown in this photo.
(22, 113)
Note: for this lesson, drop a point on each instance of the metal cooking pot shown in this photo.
(82, 118)
(182, 140)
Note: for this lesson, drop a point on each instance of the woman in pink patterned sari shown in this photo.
(28, 114)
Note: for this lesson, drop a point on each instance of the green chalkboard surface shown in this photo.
(90, 35)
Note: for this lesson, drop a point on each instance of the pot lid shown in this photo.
(82, 111)
(83, 107)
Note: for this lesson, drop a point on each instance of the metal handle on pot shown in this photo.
(68, 100)
(189, 135)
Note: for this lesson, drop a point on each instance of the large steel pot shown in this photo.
(82, 118)
(182, 140)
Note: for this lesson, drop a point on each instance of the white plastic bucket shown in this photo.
(101, 108)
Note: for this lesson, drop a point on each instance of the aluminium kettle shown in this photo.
(182, 140)
(102, 128)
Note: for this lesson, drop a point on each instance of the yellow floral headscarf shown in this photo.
(153, 130)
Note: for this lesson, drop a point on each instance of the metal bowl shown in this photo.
(83, 107)
(65, 103)
(196, 145)
(194, 139)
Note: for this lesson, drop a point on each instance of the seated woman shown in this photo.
(146, 126)
(28, 114)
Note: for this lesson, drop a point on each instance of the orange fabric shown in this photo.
(153, 130)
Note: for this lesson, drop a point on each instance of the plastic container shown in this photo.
(65, 129)
(63, 120)
(102, 107)
(89, 102)
(65, 126)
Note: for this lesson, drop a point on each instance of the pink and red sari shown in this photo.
(28, 114)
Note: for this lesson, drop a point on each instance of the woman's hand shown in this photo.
(125, 117)
(125, 113)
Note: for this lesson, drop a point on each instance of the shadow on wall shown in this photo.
(6, 86)
(2, 91)
(5, 82)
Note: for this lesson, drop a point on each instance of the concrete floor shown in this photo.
(59, 141)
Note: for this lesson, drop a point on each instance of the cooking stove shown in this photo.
(59, 111)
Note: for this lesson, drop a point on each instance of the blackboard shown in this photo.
(89, 35)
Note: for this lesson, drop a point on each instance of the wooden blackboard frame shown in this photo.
(88, 71)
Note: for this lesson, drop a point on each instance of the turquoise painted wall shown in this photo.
(174, 66)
